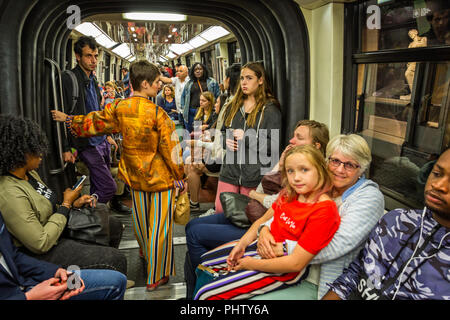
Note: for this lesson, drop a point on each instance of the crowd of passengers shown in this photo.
(319, 227)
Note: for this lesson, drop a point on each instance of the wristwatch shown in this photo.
(259, 229)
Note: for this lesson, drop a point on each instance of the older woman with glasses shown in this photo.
(360, 204)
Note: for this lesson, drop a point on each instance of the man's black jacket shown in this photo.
(83, 82)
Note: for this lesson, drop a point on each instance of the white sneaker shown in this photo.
(208, 213)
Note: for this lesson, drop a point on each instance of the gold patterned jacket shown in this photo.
(151, 158)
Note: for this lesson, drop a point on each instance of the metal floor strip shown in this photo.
(133, 244)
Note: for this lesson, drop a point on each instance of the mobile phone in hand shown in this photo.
(79, 182)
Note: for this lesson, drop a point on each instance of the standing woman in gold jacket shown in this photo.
(150, 164)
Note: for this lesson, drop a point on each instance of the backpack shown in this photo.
(75, 90)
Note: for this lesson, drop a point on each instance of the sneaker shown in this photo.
(194, 207)
(208, 213)
(154, 286)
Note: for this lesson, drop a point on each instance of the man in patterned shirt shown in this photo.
(407, 255)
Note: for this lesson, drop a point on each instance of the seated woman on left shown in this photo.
(31, 210)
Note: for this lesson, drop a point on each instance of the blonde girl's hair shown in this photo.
(212, 101)
(262, 96)
(172, 90)
(315, 157)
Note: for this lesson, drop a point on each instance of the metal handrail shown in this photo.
(54, 66)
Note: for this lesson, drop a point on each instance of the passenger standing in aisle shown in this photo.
(150, 164)
(179, 81)
(199, 81)
(95, 152)
(254, 121)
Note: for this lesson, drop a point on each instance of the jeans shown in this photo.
(190, 121)
(102, 285)
(202, 235)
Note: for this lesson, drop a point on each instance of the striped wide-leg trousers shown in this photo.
(242, 284)
(153, 227)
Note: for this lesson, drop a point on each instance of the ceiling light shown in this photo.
(179, 49)
(88, 29)
(105, 41)
(171, 55)
(197, 42)
(169, 36)
(167, 40)
(162, 58)
(132, 29)
(132, 59)
(174, 30)
(154, 16)
(122, 50)
(134, 35)
(214, 33)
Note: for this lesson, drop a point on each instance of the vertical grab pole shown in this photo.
(54, 66)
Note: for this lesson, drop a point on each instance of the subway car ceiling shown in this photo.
(263, 29)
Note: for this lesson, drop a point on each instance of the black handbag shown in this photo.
(234, 205)
(89, 224)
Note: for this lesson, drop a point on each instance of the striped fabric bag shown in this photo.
(216, 283)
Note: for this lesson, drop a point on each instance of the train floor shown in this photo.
(176, 287)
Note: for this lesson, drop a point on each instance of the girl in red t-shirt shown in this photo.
(303, 213)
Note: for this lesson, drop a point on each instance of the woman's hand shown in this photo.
(58, 115)
(238, 134)
(83, 200)
(231, 144)
(278, 249)
(235, 254)
(246, 263)
(266, 243)
(283, 155)
(71, 195)
(50, 289)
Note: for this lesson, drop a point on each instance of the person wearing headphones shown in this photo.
(407, 255)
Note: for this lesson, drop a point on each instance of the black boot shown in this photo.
(118, 206)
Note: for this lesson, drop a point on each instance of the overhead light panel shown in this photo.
(171, 55)
(197, 42)
(162, 58)
(105, 41)
(132, 59)
(214, 33)
(179, 49)
(123, 50)
(89, 29)
(154, 16)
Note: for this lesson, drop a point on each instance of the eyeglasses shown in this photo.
(347, 165)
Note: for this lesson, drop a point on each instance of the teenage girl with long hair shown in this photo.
(253, 107)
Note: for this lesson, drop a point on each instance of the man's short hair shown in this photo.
(143, 70)
(84, 41)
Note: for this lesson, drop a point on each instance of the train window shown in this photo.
(398, 100)
(404, 24)
(406, 127)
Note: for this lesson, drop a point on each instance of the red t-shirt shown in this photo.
(312, 225)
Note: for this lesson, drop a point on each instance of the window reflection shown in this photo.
(429, 19)
(404, 143)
